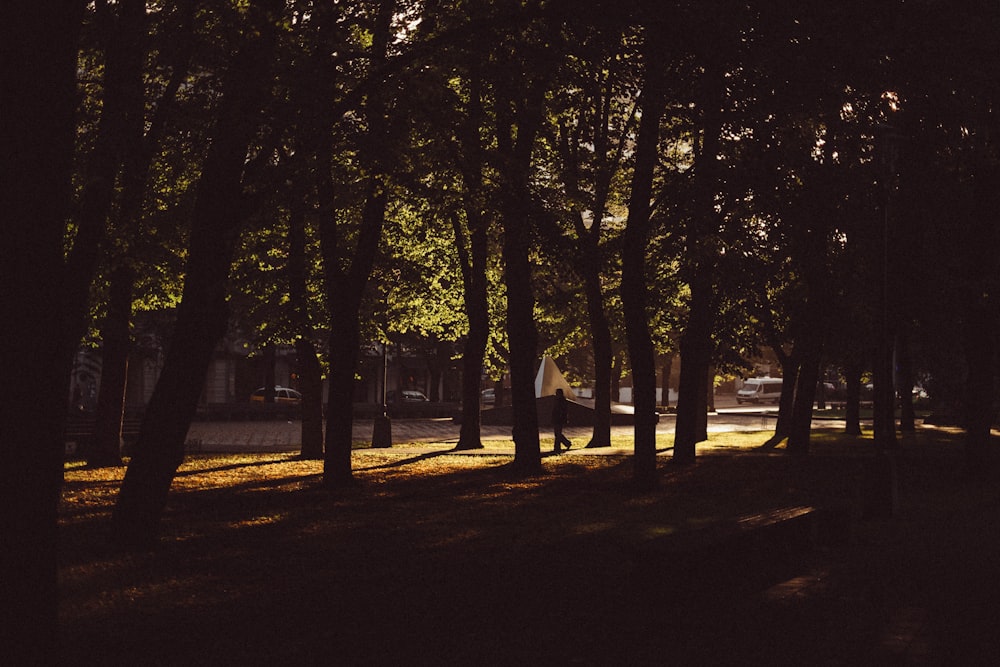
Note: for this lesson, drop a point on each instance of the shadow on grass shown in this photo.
(235, 466)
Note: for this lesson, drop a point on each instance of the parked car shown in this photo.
(489, 396)
(405, 396)
(758, 390)
(281, 395)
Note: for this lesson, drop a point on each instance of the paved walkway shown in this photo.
(437, 434)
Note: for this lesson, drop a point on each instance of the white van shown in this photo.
(759, 390)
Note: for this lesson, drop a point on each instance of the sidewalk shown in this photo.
(436, 434)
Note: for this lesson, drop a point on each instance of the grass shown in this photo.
(442, 558)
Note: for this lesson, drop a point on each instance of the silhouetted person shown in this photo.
(559, 413)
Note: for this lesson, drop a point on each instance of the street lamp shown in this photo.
(382, 429)
(884, 419)
(883, 485)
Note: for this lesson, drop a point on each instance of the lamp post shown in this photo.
(382, 429)
(884, 419)
(883, 483)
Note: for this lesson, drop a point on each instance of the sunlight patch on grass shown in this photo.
(261, 520)
(594, 528)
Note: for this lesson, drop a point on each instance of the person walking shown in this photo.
(560, 412)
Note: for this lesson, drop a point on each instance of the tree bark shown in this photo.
(344, 294)
(696, 341)
(980, 348)
(786, 402)
(473, 263)
(105, 449)
(38, 100)
(907, 416)
(310, 372)
(665, 373)
(127, 50)
(634, 280)
(473, 254)
(696, 358)
(345, 286)
(805, 393)
(852, 407)
(516, 132)
(202, 316)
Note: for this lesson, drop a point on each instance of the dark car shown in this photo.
(405, 396)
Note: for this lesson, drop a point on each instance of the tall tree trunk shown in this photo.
(696, 359)
(904, 357)
(634, 280)
(139, 141)
(600, 335)
(311, 379)
(473, 254)
(105, 449)
(38, 100)
(665, 373)
(269, 359)
(852, 406)
(696, 341)
(202, 316)
(345, 286)
(805, 392)
(516, 137)
(344, 294)
(980, 348)
(122, 32)
(310, 372)
(521, 332)
(786, 402)
(473, 262)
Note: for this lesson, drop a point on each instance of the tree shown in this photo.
(634, 286)
(593, 131)
(38, 99)
(124, 39)
(202, 316)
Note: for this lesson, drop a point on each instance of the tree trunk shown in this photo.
(344, 293)
(202, 316)
(344, 343)
(473, 261)
(523, 339)
(980, 348)
(805, 394)
(473, 255)
(696, 358)
(696, 342)
(39, 97)
(345, 287)
(786, 402)
(311, 378)
(665, 374)
(516, 137)
(269, 358)
(616, 378)
(634, 280)
(904, 362)
(852, 406)
(600, 333)
(127, 50)
(105, 449)
(310, 372)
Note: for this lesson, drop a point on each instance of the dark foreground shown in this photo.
(444, 560)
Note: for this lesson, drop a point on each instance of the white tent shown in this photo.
(549, 379)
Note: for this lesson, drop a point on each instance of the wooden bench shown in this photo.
(747, 552)
(80, 428)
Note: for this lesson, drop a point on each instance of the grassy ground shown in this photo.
(445, 559)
